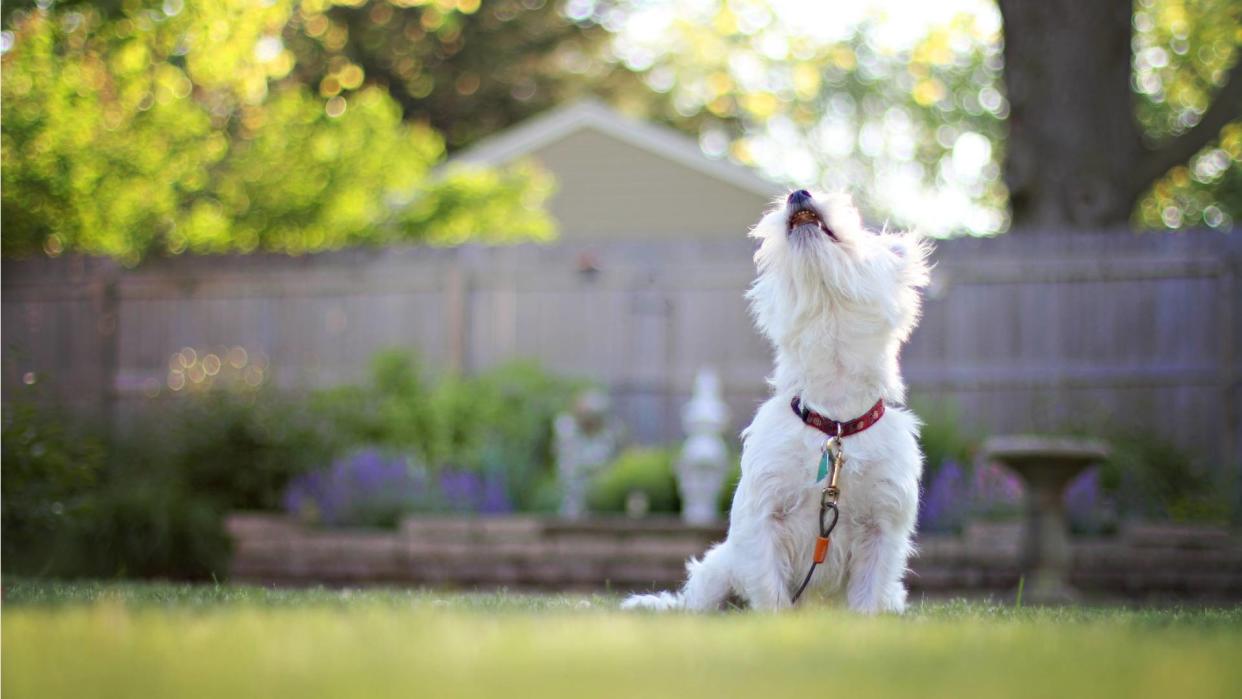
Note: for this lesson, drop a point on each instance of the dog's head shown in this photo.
(824, 278)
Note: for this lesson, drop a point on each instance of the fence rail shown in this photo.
(1023, 332)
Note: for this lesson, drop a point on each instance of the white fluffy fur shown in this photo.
(836, 312)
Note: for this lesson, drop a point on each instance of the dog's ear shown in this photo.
(912, 252)
(912, 270)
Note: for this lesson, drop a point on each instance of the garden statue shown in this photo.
(585, 443)
(704, 461)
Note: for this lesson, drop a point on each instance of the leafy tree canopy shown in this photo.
(1183, 53)
(143, 130)
(349, 96)
(844, 97)
(466, 68)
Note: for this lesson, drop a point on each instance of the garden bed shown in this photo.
(527, 552)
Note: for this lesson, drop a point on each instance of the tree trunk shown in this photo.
(1073, 139)
(1076, 154)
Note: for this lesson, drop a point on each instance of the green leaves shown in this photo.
(178, 131)
(1183, 52)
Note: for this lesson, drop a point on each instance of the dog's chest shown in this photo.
(806, 473)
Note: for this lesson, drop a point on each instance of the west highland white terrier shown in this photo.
(837, 302)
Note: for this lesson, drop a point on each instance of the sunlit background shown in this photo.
(216, 126)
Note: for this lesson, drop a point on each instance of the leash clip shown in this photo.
(834, 458)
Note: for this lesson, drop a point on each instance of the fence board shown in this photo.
(1022, 332)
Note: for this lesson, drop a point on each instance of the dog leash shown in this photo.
(832, 458)
(830, 462)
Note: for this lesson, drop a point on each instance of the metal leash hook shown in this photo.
(828, 503)
(833, 458)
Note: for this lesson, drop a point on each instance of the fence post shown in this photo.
(107, 304)
(457, 311)
(1230, 381)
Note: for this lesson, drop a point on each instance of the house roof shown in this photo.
(556, 124)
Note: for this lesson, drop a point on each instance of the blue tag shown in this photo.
(823, 467)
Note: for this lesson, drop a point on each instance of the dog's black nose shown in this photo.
(799, 197)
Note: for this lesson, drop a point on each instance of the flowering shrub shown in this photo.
(991, 491)
(468, 491)
(943, 506)
(1089, 508)
(496, 422)
(954, 495)
(371, 488)
(995, 492)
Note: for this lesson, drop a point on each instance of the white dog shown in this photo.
(836, 301)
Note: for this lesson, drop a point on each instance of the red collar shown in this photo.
(833, 428)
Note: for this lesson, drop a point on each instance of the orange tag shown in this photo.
(821, 549)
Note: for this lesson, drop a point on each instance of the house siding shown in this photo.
(609, 189)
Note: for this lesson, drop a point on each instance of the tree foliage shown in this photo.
(466, 68)
(1184, 53)
(916, 125)
(184, 129)
(911, 125)
(135, 126)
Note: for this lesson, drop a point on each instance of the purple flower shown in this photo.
(944, 503)
(995, 490)
(460, 489)
(364, 488)
(495, 496)
(1086, 504)
(371, 488)
(467, 491)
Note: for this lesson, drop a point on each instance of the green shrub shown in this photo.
(545, 495)
(514, 430)
(1155, 479)
(943, 436)
(149, 501)
(646, 470)
(48, 474)
(396, 408)
(730, 484)
(240, 448)
(1146, 476)
(496, 422)
(149, 527)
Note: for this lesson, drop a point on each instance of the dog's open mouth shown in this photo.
(809, 217)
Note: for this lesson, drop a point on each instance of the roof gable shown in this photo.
(589, 114)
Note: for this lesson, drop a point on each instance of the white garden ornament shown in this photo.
(704, 461)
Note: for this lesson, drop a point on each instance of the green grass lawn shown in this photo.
(140, 640)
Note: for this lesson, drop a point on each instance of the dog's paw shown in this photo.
(661, 601)
(890, 604)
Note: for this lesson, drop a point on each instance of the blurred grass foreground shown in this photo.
(165, 640)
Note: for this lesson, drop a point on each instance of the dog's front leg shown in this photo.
(877, 563)
(764, 582)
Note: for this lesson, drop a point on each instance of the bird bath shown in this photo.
(1047, 465)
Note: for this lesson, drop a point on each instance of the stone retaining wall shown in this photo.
(623, 554)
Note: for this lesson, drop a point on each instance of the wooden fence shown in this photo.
(1022, 332)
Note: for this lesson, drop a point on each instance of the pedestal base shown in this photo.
(1047, 464)
(1049, 589)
